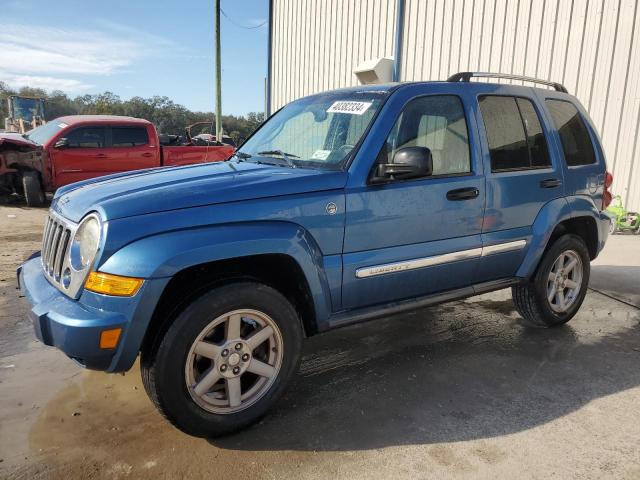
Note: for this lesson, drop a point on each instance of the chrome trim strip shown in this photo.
(412, 264)
(417, 263)
(503, 247)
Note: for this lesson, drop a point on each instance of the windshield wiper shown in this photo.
(241, 156)
(286, 156)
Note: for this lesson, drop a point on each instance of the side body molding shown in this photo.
(164, 255)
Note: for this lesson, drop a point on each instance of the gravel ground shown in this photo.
(461, 390)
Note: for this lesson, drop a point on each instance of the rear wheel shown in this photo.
(554, 295)
(224, 360)
(32, 188)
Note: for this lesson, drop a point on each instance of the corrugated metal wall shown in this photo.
(591, 46)
(318, 43)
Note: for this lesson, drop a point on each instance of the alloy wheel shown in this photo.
(564, 281)
(234, 361)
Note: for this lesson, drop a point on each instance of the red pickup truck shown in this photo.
(73, 148)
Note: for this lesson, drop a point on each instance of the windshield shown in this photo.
(44, 133)
(318, 131)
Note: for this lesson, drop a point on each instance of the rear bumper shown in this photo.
(603, 223)
(74, 326)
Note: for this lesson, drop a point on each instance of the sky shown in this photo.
(137, 48)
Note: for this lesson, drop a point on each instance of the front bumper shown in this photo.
(74, 326)
(64, 323)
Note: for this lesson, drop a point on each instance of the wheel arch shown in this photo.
(556, 218)
(583, 226)
(280, 254)
(279, 271)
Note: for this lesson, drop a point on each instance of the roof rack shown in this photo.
(466, 77)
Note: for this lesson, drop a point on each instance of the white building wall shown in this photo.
(591, 46)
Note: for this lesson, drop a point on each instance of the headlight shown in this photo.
(85, 243)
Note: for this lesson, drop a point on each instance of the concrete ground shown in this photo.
(461, 390)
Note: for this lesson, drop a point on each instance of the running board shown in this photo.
(341, 319)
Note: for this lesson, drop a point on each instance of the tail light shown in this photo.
(606, 195)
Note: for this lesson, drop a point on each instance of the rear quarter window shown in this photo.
(574, 136)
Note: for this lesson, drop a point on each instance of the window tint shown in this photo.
(515, 136)
(535, 137)
(87, 137)
(435, 122)
(129, 136)
(576, 142)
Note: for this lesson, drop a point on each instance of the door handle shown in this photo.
(463, 193)
(147, 154)
(550, 183)
(100, 155)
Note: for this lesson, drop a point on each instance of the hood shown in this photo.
(172, 188)
(16, 139)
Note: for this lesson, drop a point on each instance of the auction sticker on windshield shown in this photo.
(321, 154)
(348, 106)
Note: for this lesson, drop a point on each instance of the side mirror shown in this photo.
(408, 162)
(61, 143)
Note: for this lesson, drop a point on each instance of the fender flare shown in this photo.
(549, 217)
(584, 206)
(166, 254)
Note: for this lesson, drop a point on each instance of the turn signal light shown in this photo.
(116, 285)
(109, 338)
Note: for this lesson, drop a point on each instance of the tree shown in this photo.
(108, 103)
(59, 105)
(5, 91)
(168, 116)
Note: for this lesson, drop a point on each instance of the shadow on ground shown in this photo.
(461, 371)
(622, 282)
(456, 372)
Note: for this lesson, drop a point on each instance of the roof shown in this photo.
(387, 88)
(77, 119)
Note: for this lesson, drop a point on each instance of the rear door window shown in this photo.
(87, 137)
(574, 136)
(514, 134)
(129, 136)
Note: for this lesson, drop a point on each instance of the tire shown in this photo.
(612, 227)
(531, 299)
(175, 366)
(33, 193)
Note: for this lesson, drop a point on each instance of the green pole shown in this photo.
(218, 77)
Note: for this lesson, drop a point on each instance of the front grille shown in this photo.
(55, 245)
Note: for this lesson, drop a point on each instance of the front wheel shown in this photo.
(225, 360)
(554, 295)
(32, 188)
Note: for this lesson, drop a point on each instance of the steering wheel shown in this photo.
(346, 146)
(340, 153)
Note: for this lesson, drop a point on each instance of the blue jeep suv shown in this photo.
(343, 206)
